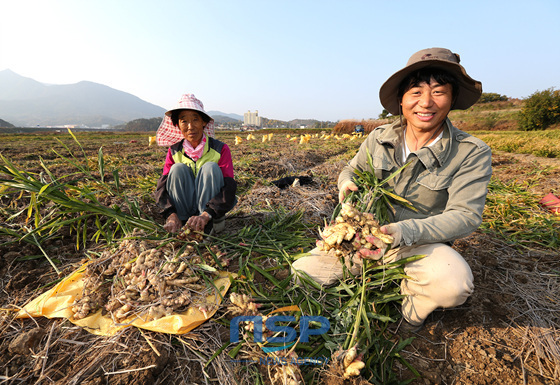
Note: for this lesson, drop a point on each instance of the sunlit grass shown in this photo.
(515, 215)
(538, 143)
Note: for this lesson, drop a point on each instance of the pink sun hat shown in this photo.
(169, 134)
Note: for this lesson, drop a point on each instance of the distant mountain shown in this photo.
(213, 114)
(141, 125)
(5, 124)
(26, 102)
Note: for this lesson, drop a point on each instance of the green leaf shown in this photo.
(42, 190)
(101, 164)
(206, 267)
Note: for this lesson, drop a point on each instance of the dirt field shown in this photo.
(506, 333)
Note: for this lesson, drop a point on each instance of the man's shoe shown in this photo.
(407, 327)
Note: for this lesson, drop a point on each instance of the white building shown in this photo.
(252, 118)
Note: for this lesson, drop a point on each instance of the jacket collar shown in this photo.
(431, 157)
(442, 149)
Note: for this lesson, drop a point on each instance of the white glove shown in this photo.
(345, 188)
(395, 231)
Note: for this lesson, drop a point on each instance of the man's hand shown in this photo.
(173, 224)
(345, 189)
(198, 222)
(393, 230)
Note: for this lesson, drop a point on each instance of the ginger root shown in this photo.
(354, 234)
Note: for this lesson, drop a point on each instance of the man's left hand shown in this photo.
(393, 230)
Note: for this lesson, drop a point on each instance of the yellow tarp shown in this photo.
(57, 303)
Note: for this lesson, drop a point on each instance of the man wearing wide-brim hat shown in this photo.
(446, 182)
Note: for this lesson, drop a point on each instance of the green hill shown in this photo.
(499, 115)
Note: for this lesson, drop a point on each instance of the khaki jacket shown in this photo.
(447, 182)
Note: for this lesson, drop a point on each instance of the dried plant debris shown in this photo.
(284, 372)
(149, 279)
(354, 234)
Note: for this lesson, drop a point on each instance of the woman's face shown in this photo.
(426, 106)
(192, 126)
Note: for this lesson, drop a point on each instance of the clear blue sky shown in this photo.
(287, 59)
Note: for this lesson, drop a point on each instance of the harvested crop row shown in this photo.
(148, 279)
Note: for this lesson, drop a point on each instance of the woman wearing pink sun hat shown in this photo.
(197, 186)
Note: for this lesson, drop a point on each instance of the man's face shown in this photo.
(426, 106)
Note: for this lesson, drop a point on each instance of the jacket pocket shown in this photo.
(382, 166)
(433, 181)
(382, 162)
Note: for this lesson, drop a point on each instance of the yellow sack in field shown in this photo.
(152, 140)
(57, 303)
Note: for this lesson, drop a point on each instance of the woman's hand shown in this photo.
(173, 224)
(198, 222)
(345, 189)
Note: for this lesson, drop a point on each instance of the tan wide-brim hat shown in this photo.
(469, 89)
